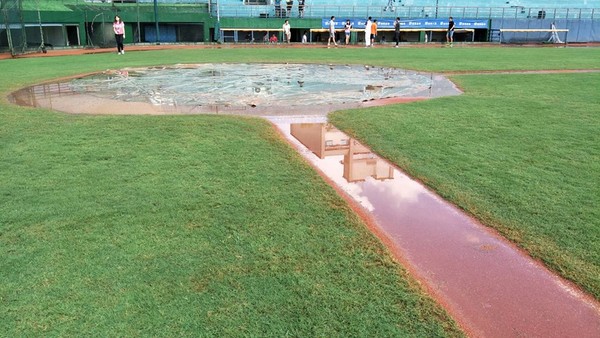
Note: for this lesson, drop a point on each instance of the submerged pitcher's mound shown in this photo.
(246, 89)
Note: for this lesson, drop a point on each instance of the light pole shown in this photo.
(436, 8)
(217, 33)
(156, 22)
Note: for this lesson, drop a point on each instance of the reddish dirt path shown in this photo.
(489, 286)
(80, 51)
(128, 48)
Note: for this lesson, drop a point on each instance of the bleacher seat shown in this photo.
(416, 8)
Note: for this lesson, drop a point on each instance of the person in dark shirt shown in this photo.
(450, 33)
(277, 4)
(397, 31)
(301, 8)
(289, 5)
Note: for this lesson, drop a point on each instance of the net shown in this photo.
(13, 36)
(17, 35)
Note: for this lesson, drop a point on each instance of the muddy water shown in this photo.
(241, 89)
(487, 284)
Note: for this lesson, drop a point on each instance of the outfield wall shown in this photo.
(581, 30)
(90, 26)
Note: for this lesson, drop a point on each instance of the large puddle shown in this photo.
(245, 89)
(486, 282)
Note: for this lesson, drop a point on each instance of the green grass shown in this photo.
(163, 226)
(185, 225)
(520, 152)
(181, 226)
(425, 59)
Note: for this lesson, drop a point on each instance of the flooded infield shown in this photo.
(243, 89)
(487, 284)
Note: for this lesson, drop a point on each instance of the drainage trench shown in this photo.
(487, 284)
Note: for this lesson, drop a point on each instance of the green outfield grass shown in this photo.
(186, 225)
(520, 152)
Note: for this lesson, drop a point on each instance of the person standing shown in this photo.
(397, 31)
(277, 5)
(305, 37)
(450, 33)
(301, 8)
(368, 25)
(331, 32)
(289, 5)
(373, 32)
(287, 32)
(347, 31)
(119, 29)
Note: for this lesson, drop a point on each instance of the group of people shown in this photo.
(286, 10)
(370, 32)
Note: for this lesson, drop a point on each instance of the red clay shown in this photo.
(142, 47)
(491, 287)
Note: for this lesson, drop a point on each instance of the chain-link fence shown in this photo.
(38, 25)
(12, 29)
(145, 23)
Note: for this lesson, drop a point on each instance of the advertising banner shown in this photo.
(412, 24)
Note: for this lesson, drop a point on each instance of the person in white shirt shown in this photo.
(348, 31)
(331, 32)
(287, 33)
(368, 32)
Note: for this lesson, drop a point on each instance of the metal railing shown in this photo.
(160, 2)
(342, 11)
(325, 11)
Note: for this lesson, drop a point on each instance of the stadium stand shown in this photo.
(418, 8)
(30, 25)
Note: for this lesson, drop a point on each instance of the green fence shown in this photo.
(38, 25)
(12, 28)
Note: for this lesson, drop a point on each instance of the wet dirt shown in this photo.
(239, 89)
(491, 287)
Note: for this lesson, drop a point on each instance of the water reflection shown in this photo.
(359, 162)
(464, 263)
(254, 89)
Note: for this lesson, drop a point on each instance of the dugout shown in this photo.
(251, 35)
(244, 30)
(411, 30)
(406, 35)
